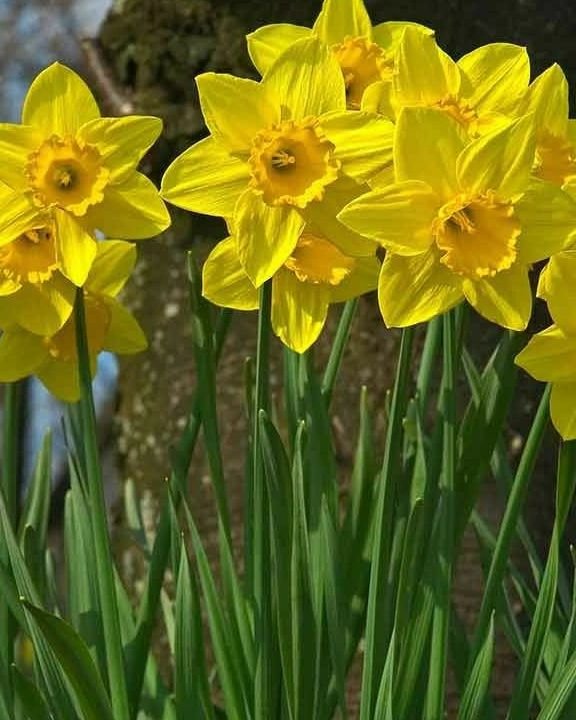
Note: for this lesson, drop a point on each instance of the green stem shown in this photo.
(443, 573)
(11, 436)
(338, 347)
(260, 529)
(428, 360)
(137, 655)
(509, 523)
(103, 552)
(379, 621)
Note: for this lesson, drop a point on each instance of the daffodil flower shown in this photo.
(66, 159)
(33, 291)
(53, 358)
(365, 54)
(280, 154)
(315, 275)
(462, 220)
(550, 356)
(480, 91)
(547, 98)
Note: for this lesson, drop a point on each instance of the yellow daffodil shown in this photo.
(462, 220)
(315, 275)
(66, 159)
(547, 98)
(480, 91)
(53, 359)
(366, 54)
(280, 154)
(550, 356)
(556, 286)
(33, 291)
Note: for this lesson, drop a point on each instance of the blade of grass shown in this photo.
(260, 546)
(102, 549)
(443, 576)
(378, 625)
(476, 690)
(138, 649)
(75, 660)
(11, 431)
(508, 524)
(338, 348)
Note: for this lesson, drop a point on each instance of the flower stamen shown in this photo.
(291, 163)
(478, 234)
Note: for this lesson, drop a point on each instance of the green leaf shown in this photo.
(478, 684)
(36, 509)
(227, 653)
(76, 662)
(191, 685)
(338, 348)
(525, 685)
(30, 697)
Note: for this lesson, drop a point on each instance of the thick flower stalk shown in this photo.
(53, 359)
(464, 220)
(316, 275)
(366, 54)
(75, 171)
(481, 91)
(550, 356)
(281, 154)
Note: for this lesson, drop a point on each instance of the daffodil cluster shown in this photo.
(68, 179)
(361, 137)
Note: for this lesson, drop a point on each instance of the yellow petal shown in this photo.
(299, 310)
(76, 248)
(323, 217)
(16, 144)
(497, 76)
(563, 409)
(41, 309)
(379, 98)
(124, 334)
(362, 279)
(338, 20)
(415, 289)
(306, 81)
(235, 109)
(111, 268)
(548, 218)
(424, 73)
(389, 34)
(505, 299)
(550, 356)
(61, 379)
(265, 236)
(500, 161)
(556, 286)
(205, 179)
(426, 147)
(17, 216)
(59, 102)
(398, 216)
(21, 353)
(224, 280)
(121, 142)
(132, 210)
(7, 287)
(547, 98)
(363, 142)
(270, 41)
